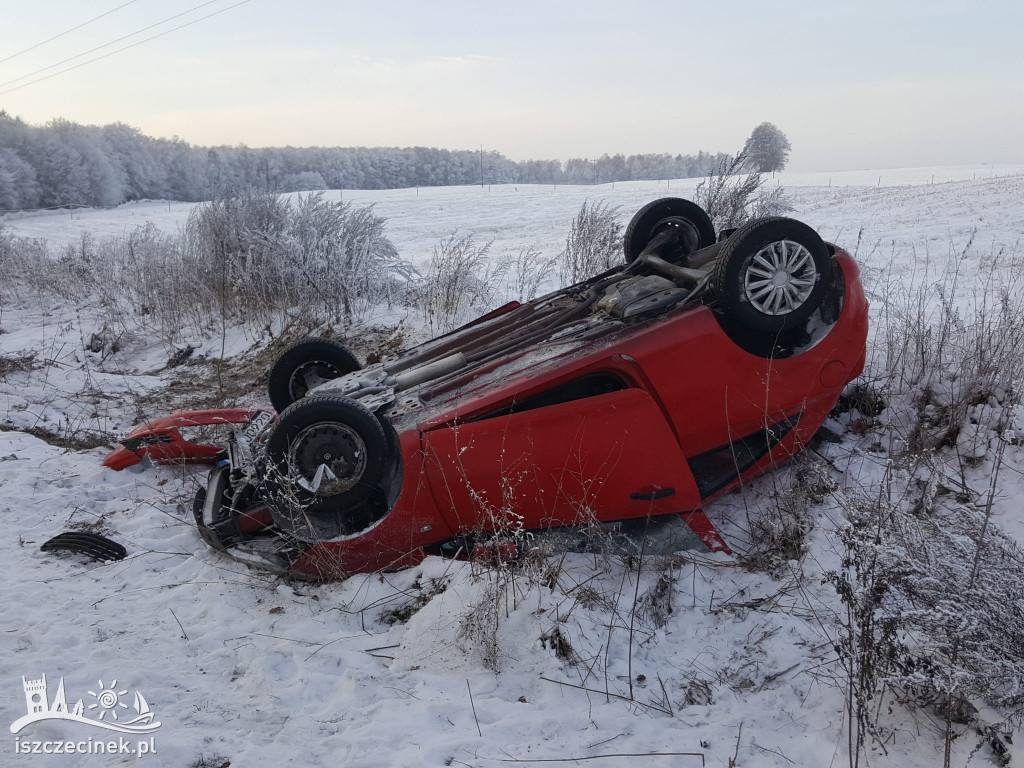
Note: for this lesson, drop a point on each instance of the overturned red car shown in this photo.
(625, 401)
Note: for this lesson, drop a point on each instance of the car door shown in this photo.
(601, 458)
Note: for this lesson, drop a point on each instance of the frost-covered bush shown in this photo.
(932, 589)
(250, 258)
(6, 257)
(459, 284)
(530, 271)
(951, 346)
(732, 197)
(934, 598)
(27, 265)
(248, 227)
(318, 256)
(343, 249)
(7, 265)
(594, 243)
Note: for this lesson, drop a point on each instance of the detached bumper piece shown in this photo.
(161, 439)
(91, 544)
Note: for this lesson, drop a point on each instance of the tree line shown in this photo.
(64, 163)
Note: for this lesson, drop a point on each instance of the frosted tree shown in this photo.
(64, 163)
(18, 186)
(767, 149)
(62, 175)
(138, 158)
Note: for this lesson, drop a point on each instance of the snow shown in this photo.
(519, 215)
(243, 666)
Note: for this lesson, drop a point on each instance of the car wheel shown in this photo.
(326, 456)
(771, 274)
(662, 217)
(305, 365)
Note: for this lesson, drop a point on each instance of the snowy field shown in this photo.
(538, 215)
(447, 664)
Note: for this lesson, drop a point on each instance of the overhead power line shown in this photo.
(67, 31)
(125, 48)
(112, 42)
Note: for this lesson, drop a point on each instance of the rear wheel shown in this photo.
(675, 226)
(306, 365)
(771, 274)
(327, 459)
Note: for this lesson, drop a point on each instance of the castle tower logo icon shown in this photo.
(107, 706)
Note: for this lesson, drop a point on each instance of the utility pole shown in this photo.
(481, 166)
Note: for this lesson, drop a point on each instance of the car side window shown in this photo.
(590, 385)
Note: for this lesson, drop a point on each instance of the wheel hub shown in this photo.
(780, 278)
(685, 235)
(336, 446)
(309, 375)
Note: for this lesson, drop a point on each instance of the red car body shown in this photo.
(657, 417)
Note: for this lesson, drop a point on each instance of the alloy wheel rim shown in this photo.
(780, 278)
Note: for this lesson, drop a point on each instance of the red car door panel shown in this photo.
(607, 457)
(715, 392)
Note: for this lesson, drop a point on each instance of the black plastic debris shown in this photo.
(92, 544)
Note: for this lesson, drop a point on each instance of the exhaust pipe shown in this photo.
(434, 370)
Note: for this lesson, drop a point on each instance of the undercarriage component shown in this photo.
(640, 295)
(684, 275)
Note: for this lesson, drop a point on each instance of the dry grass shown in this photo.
(594, 243)
(929, 585)
(732, 197)
(459, 283)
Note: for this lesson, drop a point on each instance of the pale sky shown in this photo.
(854, 85)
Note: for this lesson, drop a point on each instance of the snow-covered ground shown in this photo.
(519, 215)
(242, 666)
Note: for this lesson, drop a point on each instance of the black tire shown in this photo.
(346, 436)
(654, 218)
(747, 290)
(321, 359)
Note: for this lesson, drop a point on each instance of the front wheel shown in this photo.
(327, 458)
(771, 274)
